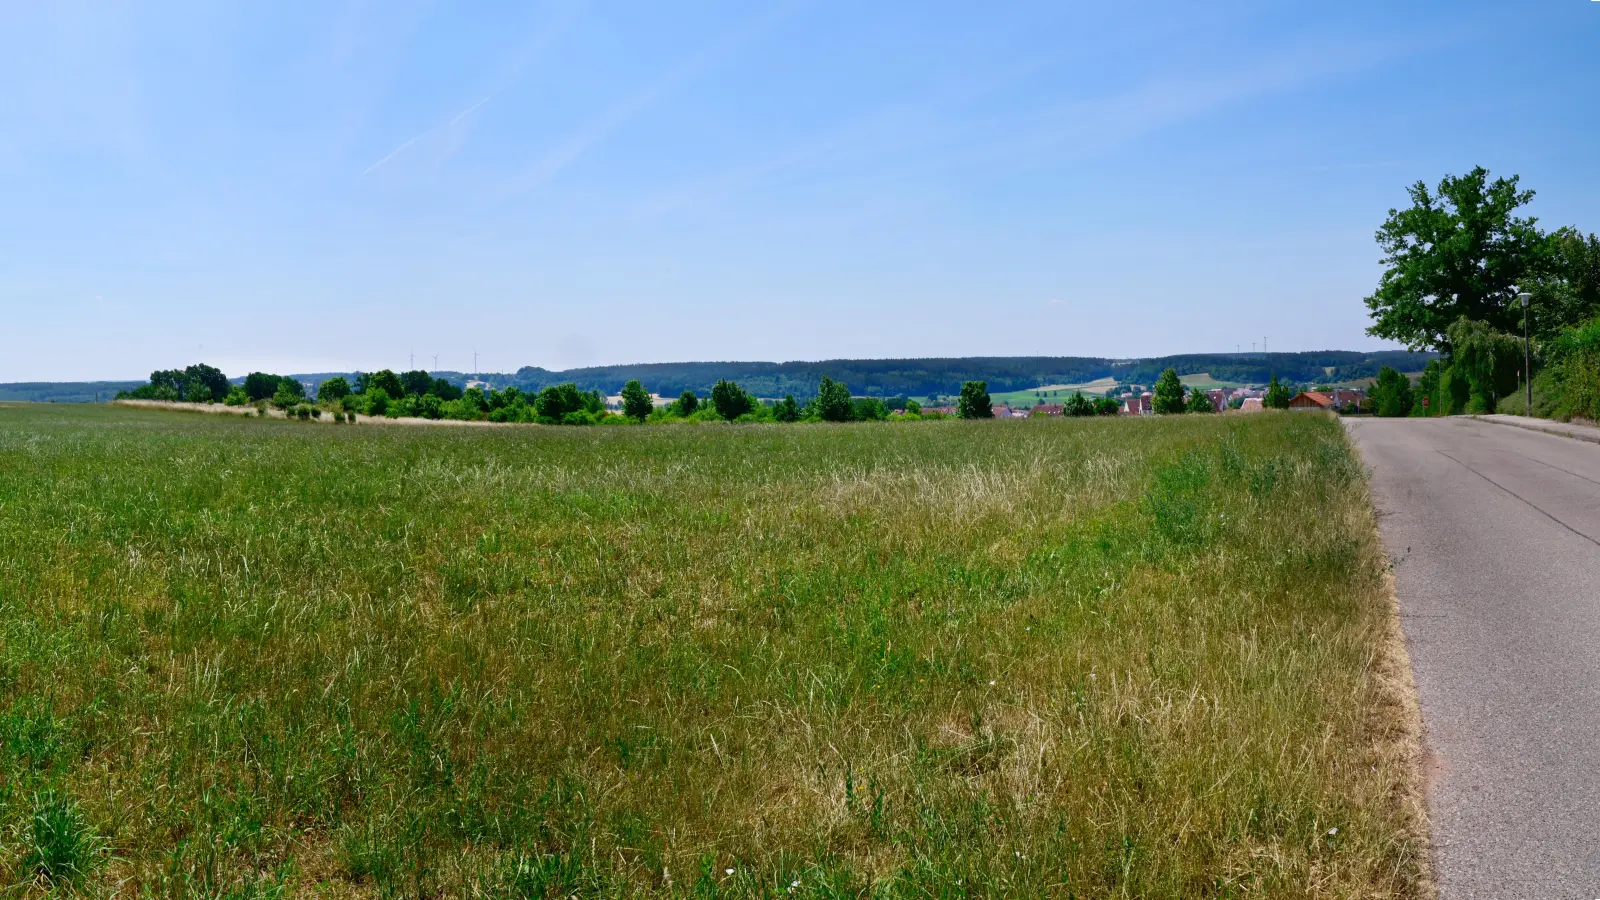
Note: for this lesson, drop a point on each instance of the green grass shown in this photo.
(1141, 658)
(1205, 382)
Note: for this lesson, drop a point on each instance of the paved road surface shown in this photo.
(1495, 534)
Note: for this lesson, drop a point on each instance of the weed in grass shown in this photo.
(59, 845)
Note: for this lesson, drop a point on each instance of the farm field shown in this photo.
(1205, 382)
(1052, 393)
(1068, 657)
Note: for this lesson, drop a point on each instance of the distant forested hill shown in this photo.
(929, 376)
(873, 377)
(64, 391)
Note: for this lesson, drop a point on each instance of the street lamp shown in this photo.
(1527, 357)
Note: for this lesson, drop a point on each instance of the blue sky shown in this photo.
(300, 186)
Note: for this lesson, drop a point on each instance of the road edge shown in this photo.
(1399, 713)
(1575, 435)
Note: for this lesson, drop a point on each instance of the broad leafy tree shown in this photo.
(729, 400)
(833, 401)
(687, 403)
(1168, 395)
(215, 382)
(260, 386)
(636, 401)
(416, 382)
(1078, 405)
(388, 382)
(333, 390)
(1458, 250)
(1107, 406)
(1199, 402)
(554, 402)
(974, 401)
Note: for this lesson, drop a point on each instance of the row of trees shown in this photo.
(418, 394)
(1455, 260)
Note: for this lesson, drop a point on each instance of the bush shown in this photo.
(686, 404)
(1573, 382)
(302, 412)
(236, 397)
(1199, 402)
(289, 393)
(1106, 406)
(377, 402)
(316, 413)
(868, 409)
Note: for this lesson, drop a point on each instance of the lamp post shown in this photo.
(1527, 356)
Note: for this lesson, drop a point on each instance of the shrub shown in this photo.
(302, 412)
(377, 402)
(236, 397)
(289, 393)
(1106, 406)
(1199, 402)
(912, 408)
(1574, 379)
(868, 409)
(686, 404)
(316, 413)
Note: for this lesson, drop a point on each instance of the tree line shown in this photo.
(418, 394)
(1456, 261)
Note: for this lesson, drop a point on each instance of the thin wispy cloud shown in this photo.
(438, 129)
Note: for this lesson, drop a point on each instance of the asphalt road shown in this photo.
(1495, 536)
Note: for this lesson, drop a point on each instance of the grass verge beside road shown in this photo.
(1128, 658)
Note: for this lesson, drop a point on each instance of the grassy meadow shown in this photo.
(1090, 658)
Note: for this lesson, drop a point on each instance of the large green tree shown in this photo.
(729, 400)
(1168, 397)
(260, 385)
(1199, 402)
(333, 389)
(833, 401)
(974, 401)
(636, 401)
(1458, 250)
